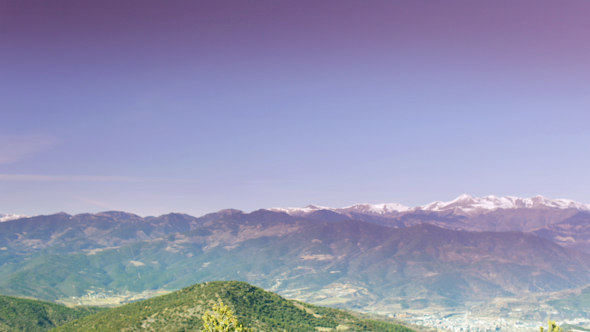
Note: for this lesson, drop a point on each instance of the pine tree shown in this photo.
(552, 327)
(222, 319)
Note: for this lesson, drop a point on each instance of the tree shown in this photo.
(552, 327)
(222, 319)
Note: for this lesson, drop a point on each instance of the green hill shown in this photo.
(256, 308)
(30, 315)
(579, 304)
(572, 327)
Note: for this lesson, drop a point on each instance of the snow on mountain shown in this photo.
(301, 211)
(375, 209)
(372, 209)
(7, 217)
(462, 205)
(468, 205)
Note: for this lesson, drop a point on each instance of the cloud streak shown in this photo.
(83, 178)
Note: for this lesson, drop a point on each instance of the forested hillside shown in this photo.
(18, 314)
(256, 308)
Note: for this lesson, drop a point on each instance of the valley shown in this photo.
(109, 299)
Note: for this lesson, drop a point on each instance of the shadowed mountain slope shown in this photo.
(573, 232)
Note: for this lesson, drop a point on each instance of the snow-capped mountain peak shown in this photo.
(468, 202)
(463, 205)
(7, 217)
(468, 205)
(295, 211)
(375, 209)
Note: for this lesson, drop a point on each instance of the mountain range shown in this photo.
(465, 205)
(379, 258)
(561, 220)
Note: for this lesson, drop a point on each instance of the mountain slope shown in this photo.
(578, 304)
(421, 265)
(256, 308)
(573, 232)
(171, 261)
(30, 315)
(350, 263)
(68, 233)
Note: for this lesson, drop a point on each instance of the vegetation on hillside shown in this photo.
(31, 315)
(572, 327)
(579, 304)
(552, 327)
(222, 319)
(258, 309)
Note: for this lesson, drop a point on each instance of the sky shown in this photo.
(154, 107)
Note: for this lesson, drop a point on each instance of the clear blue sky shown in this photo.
(151, 107)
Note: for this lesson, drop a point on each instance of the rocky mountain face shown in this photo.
(347, 263)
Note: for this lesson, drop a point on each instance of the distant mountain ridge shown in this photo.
(563, 221)
(91, 231)
(465, 205)
(559, 220)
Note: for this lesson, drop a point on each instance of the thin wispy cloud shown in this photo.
(14, 148)
(83, 178)
(95, 202)
(266, 181)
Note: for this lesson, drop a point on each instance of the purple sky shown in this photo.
(152, 107)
